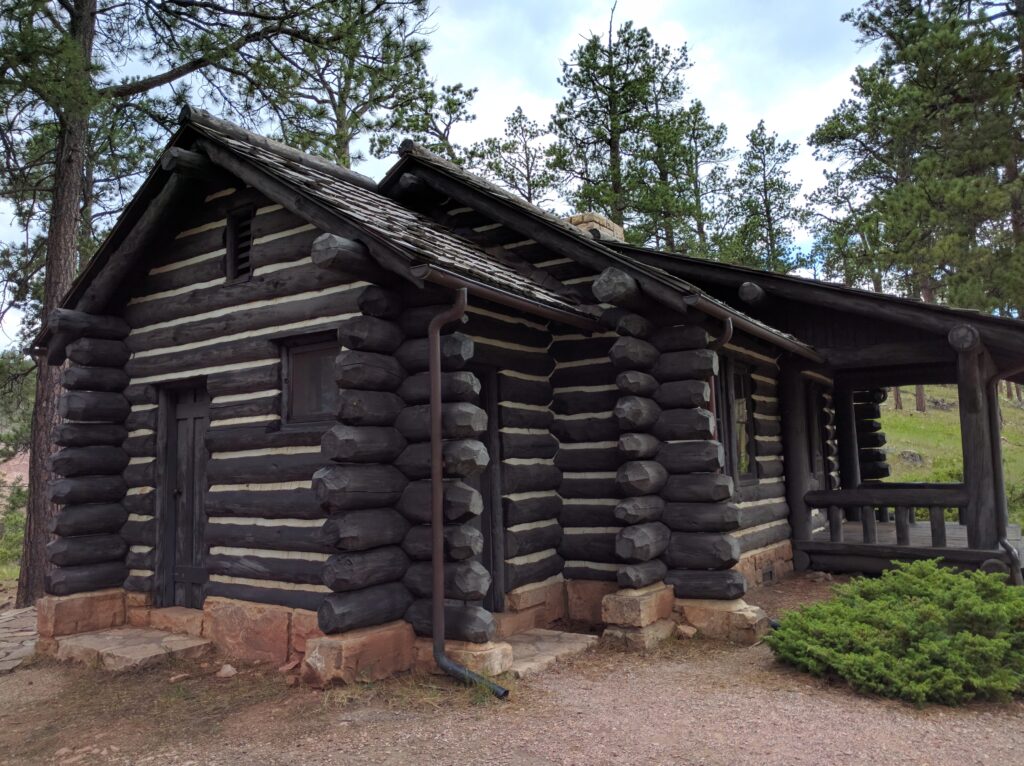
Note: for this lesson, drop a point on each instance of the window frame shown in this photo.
(246, 214)
(725, 420)
(321, 341)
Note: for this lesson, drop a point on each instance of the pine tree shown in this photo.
(518, 160)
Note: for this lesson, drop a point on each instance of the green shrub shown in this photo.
(920, 632)
(12, 521)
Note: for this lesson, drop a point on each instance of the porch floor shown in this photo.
(920, 534)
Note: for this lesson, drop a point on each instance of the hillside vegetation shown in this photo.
(925, 446)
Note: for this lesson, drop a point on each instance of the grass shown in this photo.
(935, 436)
(9, 571)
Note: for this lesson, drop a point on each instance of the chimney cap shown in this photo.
(597, 226)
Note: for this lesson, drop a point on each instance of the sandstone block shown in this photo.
(638, 607)
(766, 565)
(134, 598)
(80, 612)
(490, 659)
(583, 599)
(535, 593)
(247, 630)
(304, 629)
(366, 654)
(638, 639)
(510, 623)
(735, 621)
(137, 617)
(177, 619)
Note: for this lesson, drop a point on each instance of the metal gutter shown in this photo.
(449, 666)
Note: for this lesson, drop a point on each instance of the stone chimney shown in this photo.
(597, 226)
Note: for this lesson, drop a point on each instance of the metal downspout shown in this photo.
(449, 666)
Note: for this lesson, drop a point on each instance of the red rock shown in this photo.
(366, 654)
(80, 612)
(304, 627)
(247, 630)
(177, 619)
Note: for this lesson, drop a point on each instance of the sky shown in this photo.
(788, 62)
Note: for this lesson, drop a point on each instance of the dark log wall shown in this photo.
(86, 551)
(518, 348)
(874, 465)
(583, 406)
(266, 535)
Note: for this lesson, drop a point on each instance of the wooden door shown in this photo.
(492, 521)
(183, 518)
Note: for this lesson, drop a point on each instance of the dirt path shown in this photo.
(692, 702)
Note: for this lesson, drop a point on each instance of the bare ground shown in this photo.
(693, 702)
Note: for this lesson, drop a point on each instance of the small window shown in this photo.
(238, 245)
(310, 392)
(735, 419)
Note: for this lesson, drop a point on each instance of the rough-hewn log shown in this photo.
(692, 457)
(78, 324)
(636, 383)
(94, 406)
(279, 568)
(349, 487)
(618, 288)
(348, 256)
(636, 413)
(642, 542)
(720, 517)
(638, 510)
(874, 440)
(461, 501)
(340, 612)
(89, 434)
(63, 581)
(588, 429)
(530, 477)
(463, 580)
(752, 293)
(725, 584)
(459, 420)
(762, 536)
(867, 410)
(680, 338)
(641, 477)
(142, 419)
(363, 530)
(531, 506)
(85, 549)
(461, 622)
(456, 386)
(874, 470)
(460, 542)
(633, 354)
(633, 446)
(368, 408)
(701, 550)
(362, 444)
(529, 445)
(87, 519)
(464, 457)
(588, 457)
(532, 539)
(698, 488)
(683, 394)
(140, 531)
(642, 574)
(698, 364)
(355, 570)
(98, 352)
(582, 570)
(626, 322)
(530, 569)
(275, 504)
(677, 425)
(78, 378)
(82, 461)
(268, 537)
(456, 351)
(368, 371)
(87, 489)
(363, 333)
(589, 546)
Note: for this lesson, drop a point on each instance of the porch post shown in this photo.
(977, 436)
(793, 409)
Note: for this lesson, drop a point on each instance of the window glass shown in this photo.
(312, 393)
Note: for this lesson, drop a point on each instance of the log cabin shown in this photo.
(424, 402)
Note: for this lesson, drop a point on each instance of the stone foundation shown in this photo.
(80, 613)
(366, 654)
(638, 619)
(767, 565)
(735, 621)
(490, 659)
(583, 600)
(536, 605)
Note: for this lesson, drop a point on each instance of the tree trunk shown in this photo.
(1020, 393)
(920, 402)
(897, 398)
(62, 235)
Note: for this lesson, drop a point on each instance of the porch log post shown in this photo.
(846, 435)
(977, 435)
(794, 439)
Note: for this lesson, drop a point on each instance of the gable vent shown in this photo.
(238, 244)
